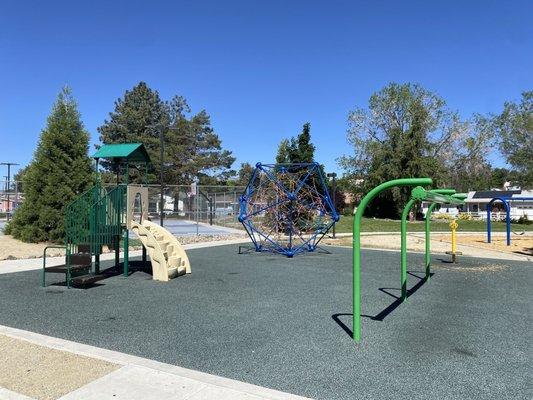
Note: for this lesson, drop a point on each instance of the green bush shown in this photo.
(464, 217)
(522, 220)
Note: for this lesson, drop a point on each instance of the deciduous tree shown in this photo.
(407, 131)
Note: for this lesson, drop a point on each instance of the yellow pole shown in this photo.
(454, 252)
(453, 226)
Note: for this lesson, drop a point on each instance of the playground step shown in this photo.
(62, 269)
(87, 279)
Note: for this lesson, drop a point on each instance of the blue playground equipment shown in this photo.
(506, 201)
(286, 208)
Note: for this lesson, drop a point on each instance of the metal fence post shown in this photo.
(197, 216)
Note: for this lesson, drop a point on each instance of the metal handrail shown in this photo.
(53, 246)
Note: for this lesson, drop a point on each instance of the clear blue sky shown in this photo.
(261, 69)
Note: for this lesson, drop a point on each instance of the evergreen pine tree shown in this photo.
(304, 149)
(60, 171)
(137, 118)
(192, 147)
(283, 155)
(298, 149)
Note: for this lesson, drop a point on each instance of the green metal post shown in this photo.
(126, 252)
(117, 250)
(428, 228)
(428, 239)
(126, 233)
(97, 263)
(357, 243)
(403, 247)
(43, 278)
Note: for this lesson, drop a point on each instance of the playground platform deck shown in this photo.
(283, 323)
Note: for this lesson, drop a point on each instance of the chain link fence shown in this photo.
(212, 205)
(187, 209)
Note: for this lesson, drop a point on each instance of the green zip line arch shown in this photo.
(356, 286)
(436, 196)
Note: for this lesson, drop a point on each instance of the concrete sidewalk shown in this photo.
(143, 379)
(28, 264)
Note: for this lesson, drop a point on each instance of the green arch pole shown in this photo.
(357, 243)
(403, 227)
(428, 239)
(126, 232)
(427, 221)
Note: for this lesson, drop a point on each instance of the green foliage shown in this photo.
(59, 171)
(498, 177)
(407, 131)
(522, 220)
(19, 178)
(244, 174)
(514, 128)
(345, 225)
(298, 149)
(192, 148)
(284, 149)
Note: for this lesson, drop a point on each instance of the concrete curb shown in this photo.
(9, 395)
(206, 385)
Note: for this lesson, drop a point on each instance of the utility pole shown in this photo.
(333, 177)
(9, 164)
(161, 128)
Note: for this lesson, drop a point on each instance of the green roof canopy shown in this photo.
(131, 152)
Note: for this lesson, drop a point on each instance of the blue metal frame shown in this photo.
(255, 234)
(506, 202)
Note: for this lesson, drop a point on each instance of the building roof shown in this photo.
(482, 197)
(132, 152)
(490, 194)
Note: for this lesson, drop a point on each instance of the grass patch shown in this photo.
(345, 225)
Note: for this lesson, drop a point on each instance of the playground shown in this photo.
(283, 311)
(286, 323)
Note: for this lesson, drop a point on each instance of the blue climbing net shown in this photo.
(286, 208)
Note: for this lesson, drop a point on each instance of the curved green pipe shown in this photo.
(403, 247)
(428, 239)
(431, 207)
(418, 193)
(357, 243)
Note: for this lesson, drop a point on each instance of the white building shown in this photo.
(476, 205)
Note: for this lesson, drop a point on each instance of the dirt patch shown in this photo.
(478, 268)
(468, 244)
(519, 244)
(12, 249)
(43, 373)
(389, 241)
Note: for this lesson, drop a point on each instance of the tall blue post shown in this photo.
(508, 222)
(507, 207)
(489, 206)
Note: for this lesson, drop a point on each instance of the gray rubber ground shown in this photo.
(273, 321)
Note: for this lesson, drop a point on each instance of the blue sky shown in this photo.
(260, 69)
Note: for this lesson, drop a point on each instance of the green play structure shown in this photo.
(418, 193)
(105, 215)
